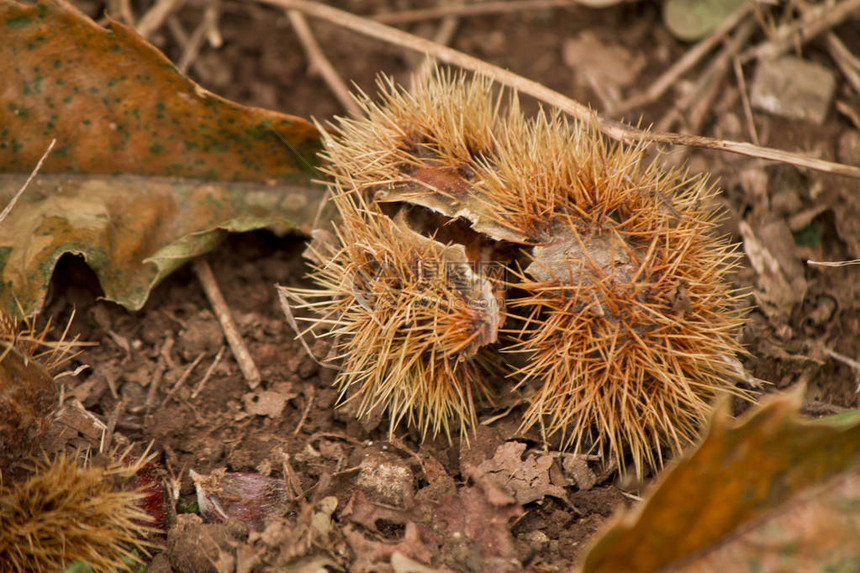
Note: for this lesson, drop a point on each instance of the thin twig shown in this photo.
(718, 70)
(211, 15)
(107, 440)
(409, 16)
(319, 64)
(291, 479)
(683, 65)
(179, 34)
(852, 114)
(208, 374)
(306, 411)
(111, 384)
(834, 263)
(121, 9)
(695, 104)
(846, 61)
(850, 362)
(819, 19)
(616, 130)
(156, 15)
(213, 32)
(745, 101)
(228, 325)
(183, 378)
(154, 383)
(201, 67)
(11, 204)
(164, 362)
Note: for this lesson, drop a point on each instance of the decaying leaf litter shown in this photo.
(793, 339)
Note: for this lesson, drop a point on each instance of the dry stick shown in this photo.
(228, 325)
(845, 109)
(107, 439)
(410, 16)
(208, 374)
(613, 129)
(11, 204)
(163, 360)
(841, 358)
(834, 263)
(211, 15)
(846, 61)
(291, 479)
(154, 383)
(155, 16)
(306, 411)
(213, 32)
(183, 378)
(111, 382)
(320, 65)
(745, 101)
(687, 61)
(122, 10)
(720, 68)
(698, 101)
(820, 19)
(179, 34)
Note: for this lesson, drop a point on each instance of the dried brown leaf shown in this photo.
(527, 480)
(132, 231)
(781, 482)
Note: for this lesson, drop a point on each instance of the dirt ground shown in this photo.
(398, 499)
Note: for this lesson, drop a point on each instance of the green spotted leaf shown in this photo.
(149, 169)
(115, 104)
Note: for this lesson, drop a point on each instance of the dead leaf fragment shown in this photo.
(197, 547)
(471, 526)
(269, 403)
(793, 88)
(817, 533)
(607, 67)
(477, 520)
(527, 480)
(132, 231)
(766, 470)
(576, 468)
(770, 248)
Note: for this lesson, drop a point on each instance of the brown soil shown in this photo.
(262, 63)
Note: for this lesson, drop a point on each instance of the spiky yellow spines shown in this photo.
(409, 318)
(28, 394)
(627, 316)
(407, 133)
(617, 301)
(65, 512)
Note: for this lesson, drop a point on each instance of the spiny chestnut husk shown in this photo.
(409, 316)
(617, 300)
(28, 394)
(627, 317)
(65, 512)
